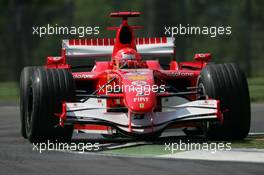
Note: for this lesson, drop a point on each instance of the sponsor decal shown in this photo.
(118, 101)
(181, 74)
(207, 103)
(139, 83)
(56, 58)
(140, 99)
(201, 55)
(141, 105)
(128, 56)
(138, 72)
(81, 76)
(136, 77)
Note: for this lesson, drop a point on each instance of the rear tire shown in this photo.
(48, 88)
(227, 83)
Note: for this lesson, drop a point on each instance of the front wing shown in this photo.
(94, 111)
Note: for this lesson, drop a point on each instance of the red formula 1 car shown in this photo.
(129, 95)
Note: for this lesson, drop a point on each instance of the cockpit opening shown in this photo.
(125, 35)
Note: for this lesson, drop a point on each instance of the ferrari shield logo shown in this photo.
(141, 105)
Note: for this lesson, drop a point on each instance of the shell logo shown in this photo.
(137, 77)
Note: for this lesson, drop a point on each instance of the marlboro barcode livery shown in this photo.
(131, 96)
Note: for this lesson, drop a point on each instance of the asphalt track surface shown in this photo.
(17, 157)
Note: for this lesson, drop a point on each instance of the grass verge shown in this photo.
(256, 89)
(250, 142)
(140, 150)
(9, 91)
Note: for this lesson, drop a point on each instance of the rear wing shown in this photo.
(103, 47)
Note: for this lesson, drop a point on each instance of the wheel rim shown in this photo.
(201, 89)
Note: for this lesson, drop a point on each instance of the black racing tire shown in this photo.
(48, 88)
(228, 84)
(25, 81)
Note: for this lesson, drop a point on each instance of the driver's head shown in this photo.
(125, 55)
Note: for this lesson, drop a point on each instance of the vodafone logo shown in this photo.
(181, 74)
(82, 76)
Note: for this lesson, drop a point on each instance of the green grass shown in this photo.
(256, 89)
(9, 90)
(142, 150)
(250, 142)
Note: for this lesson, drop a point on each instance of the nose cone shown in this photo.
(138, 93)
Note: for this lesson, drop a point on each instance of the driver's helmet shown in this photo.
(125, 55)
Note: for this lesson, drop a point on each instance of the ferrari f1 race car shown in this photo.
(129, 95)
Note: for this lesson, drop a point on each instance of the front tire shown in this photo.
(25, 82)
(227, 83)
(48, 88)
